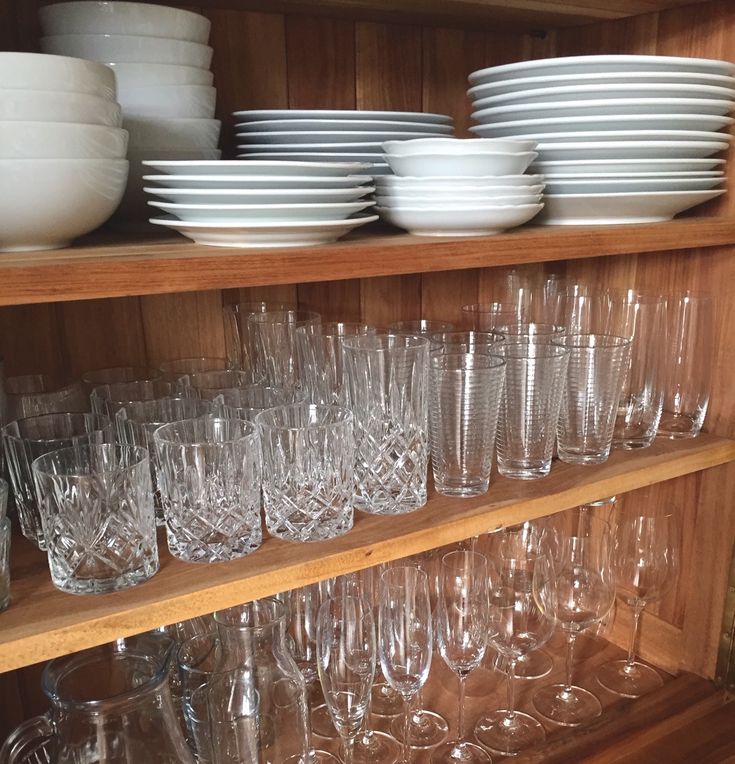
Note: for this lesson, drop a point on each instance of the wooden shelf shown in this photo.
(115, 266)
(42, 623)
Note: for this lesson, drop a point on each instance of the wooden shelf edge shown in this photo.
(43, 623)
(122, 267)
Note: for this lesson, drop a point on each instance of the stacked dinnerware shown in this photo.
(453, 187)
(62, 150)
(319, 135)
(621, 139)
(260, 203)
(162, 65)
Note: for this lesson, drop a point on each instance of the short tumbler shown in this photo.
(98, 521)
(308, 457)
(209, 478)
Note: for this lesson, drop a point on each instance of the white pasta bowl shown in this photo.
(46, 203)
(172, 134)
(402, 183)
(169, 102)
(151, 75)
(52, 106)
(457, 146)
(457, 200)
(469, 165)
(61, 140)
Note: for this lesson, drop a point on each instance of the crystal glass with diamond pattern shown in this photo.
(308, 457)
(97, 513)
(387, 383)
(209, 478)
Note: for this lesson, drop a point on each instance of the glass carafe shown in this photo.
(109, 705)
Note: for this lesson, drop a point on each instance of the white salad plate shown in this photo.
(470, 165)
(625, 185)
(246, 213)
(325, 137)
(229, 167)
(213, 182)
(259, 196)
(340, 125)
(348, 114)
(630, 135)
(396, 182)
(624, 165)
(265, 235)
(623, 150)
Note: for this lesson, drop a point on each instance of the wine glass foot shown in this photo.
(375, 747)
(508, 735)
(460, 752)
(322, 724)
(385, 701)
(568, 707)
(315, 756)
(630, 681)
(534, 665)
(426, 730)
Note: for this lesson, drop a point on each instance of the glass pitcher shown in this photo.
(109, 705)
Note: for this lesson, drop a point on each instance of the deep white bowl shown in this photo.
(400, 183)
(169, 101)
(453, 201)
(129, 49)
(173, 134)
(470, 165)
(61, 140)
(48, 202)
(36, 71)
(103, 16)
(151, 75)
(457, 146)
(51, 106)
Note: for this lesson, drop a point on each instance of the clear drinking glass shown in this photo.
(420, 327)
(209, 478)
(535, 373)
(485, 317)
(173, 370)
(468, 341)
(97, 377)
(36, 394)
(109, 399)
(308, 477)
(209, 384)
(247, 402)
(26, 439)
(464, 396)
(5, 534)
(239, 340)
(594, 382)
(688, 365)
(387, 381)
(462, 630)
(96, 506)
(646, 558)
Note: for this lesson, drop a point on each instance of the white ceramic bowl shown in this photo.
(129, 49)
(173, 134)
(151, 75)
(51, 106)
(49, 202)
(457, 146)
(36, 71)
(450, 202)
(169, 102)
(103, 16)
(470, 165)
(61, 140)
(242, 213)
(396, 182)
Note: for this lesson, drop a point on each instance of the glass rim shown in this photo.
(165, 367)
(346, 417)
(280, 614)
(493, 361)
(105, 421)
(421, 575)
(301, 317)
(611, 341)
(356, 342)
(134, 420)
(85, 377)
(170, 441)
(491, 334)
(645, 295)
(140, 452)
(240, 307)
(552, 349)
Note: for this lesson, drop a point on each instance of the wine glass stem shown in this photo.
(349, 750)
(418, 707)
(460, 714)
(511, 712)
(367, 726)
(571, 639)
(637, 610)
(407, 730)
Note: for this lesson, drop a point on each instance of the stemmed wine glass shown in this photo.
(573, 584)
(646, 559)
(405, 636)
(462, 625)
(346, 654)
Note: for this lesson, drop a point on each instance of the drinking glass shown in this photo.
(346, 653)
(209, 384)
(469, 341)
(36, 394)
(5, 533)
(26, 439)
(688, 366)
(405, 636)
(173, 370)
(462, 629)
(646, 558)
(96, 506)
(209, 478)
(96, 377)
(420, 327)
(109, 399)
(239, 340)
(308, 478)
(485, 317)
(530, 330)
(580, 309)
(594, 381)
(247, 402)
(529, 409)
(386, 378)
(574, 585)
(464, 396)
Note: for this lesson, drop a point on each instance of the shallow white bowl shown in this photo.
(48, 202)
(53, 106)
(129, 49)
(471, 165)
(457, 146)
(453, 201)
(169, 102)
(397, 182)
(104, 16)
(151, 75)
(61, 140)
(173, 134)
(259, 196)
(258, 182)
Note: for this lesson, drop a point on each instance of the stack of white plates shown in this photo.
(162, 65)
(621, 139)
(453, 187)
(261, 203)
(318, 135)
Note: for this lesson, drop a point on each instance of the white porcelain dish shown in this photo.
(61, 140)
(173, 134)
(615, 209)
(619, 164)
(369, 159)
(49, 202)
(398, 182)
(351, 114)
(625, 185)
(470, 165)
(169, 102)
(461, 201)
(152, 75)
(695, 174)
(266, 235)
(631, 135)
(457, 146)
(301, 139)
(331, 125)
(243, 213)
(472, 221)
(106, 16)
(618, 64)
(624, 150)
(129, 49)
(229, 167)
(51, 106)
(461, 192)
(258, 182)
(36, 71)
(259, 196)
(312, 148)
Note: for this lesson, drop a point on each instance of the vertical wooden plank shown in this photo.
(30, 341)
(11, 702)
(444, 294)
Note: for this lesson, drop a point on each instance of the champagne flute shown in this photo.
(646, 559)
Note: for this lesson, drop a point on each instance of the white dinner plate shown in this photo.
(265, 235)
(609, 209)
(629, 185)
(260, 196)
(312, 148)
(328, 137)
(619, 164)
(350, 125)
(695, 174)
(351, 114)
(461, 182)
(373, 164)
(624, 150)
(617, 64)
(211, 182)
(337, 168)
(247, 213)
(629, 135)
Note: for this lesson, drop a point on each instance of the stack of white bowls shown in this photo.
(454, 187)
(261, 203)
(162, 64)
(319, 135)
(62, 150)
(621, 139)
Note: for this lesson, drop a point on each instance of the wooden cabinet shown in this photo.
(116, 300)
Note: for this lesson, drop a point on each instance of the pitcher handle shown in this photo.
(29, 743)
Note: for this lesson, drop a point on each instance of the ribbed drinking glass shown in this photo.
(239, 340)
(174, 369)
(109, 399)
(247, 402)
(469, 341)
(420, 327)
(209, 384)
(36, 394)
